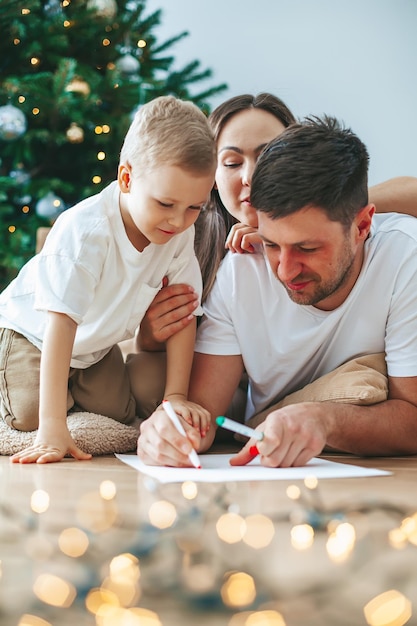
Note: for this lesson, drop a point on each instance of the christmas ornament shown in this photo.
(75, 134)
(128, 64)
(103, 8)
(19, 175)
(12, 123)
(78, 85)
(50, 206)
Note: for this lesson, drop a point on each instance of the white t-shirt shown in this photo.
(89, 270)
(285, 346)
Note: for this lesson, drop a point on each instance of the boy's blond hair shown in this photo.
(169, 131)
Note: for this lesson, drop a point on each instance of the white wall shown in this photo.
(355, 59)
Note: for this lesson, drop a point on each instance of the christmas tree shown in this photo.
(72, 74)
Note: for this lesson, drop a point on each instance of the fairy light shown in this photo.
(141, 43)
(390, 608)
(259, 531)
(65, 3)
(54, 590)
(98, 130)
(107, 489)
(341, 542)
(35, 111)
(25, 209)
(39, 501)
(25, 11)
(21, 99)
(35, 61)
(12, 229)
(302, 536)
(293, 492)
(101, 155)
(73, 542)
(238, 590)
(96, 180)
(32, 620)
(231, 527)
(106, 42)
(189, 490)
(67, 23)
(106, 128)
(162, 514)
(16, 41)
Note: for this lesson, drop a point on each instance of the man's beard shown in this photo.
(329, 287)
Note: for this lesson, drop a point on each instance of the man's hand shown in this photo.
(292, 436)
(51, 445)
(160, 443)
(170, 311)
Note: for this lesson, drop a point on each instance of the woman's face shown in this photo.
(239, 145)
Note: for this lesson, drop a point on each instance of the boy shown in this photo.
(102, 264)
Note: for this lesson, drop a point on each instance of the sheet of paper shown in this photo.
(216, 469)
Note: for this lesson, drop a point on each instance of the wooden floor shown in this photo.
(95, 542)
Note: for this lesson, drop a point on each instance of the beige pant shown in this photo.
(103, 388)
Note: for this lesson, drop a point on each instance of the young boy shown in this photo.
(101, 266)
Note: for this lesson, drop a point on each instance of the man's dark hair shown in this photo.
(317, 163)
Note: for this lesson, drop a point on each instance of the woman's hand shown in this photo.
(242, 238)
(170, 311)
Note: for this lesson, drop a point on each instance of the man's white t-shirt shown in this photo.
(285, 346)
(89, 270)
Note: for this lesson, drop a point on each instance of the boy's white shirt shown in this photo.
(89, 270)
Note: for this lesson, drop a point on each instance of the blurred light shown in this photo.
(238, 590)
(12, 229)
(35, 61)
(67, 23)
(231, 527)
(39, 501)
(397, 538)
(16, 41)
(311, 482)
(97, 598)
(25, 11)
(409, 528)
(32, 620)
(73, 542)
(259, 531)
(106, 128)
(21, 99)
(54, 590)
(293, 492)
(101, 155)
(141, 43)
(302, 536)
(25, 209)
(265, 618)
(35, 111)
(189, 490)
(107, 490)
(106, 42)
(98, 130)
(124, 567)
(96, 180)
(390, 608)
(162, 514)
(341, 542)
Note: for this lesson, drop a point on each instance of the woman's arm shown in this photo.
(395, 195)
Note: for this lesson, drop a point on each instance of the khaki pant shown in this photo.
(103, 388)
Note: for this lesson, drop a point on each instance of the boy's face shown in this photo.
(160, 203)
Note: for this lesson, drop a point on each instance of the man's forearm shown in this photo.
(384, 429)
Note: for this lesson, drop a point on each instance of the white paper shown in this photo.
(216, 469)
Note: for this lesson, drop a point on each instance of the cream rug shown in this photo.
(95, 434)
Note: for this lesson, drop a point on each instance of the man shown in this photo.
(335, 283)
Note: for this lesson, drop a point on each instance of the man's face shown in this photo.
(316, 260)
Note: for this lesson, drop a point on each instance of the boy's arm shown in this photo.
(180, 350)
(53, 440)
(396, 194)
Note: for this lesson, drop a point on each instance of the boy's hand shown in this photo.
(50, 446)
(242, 238)
(192, 413)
